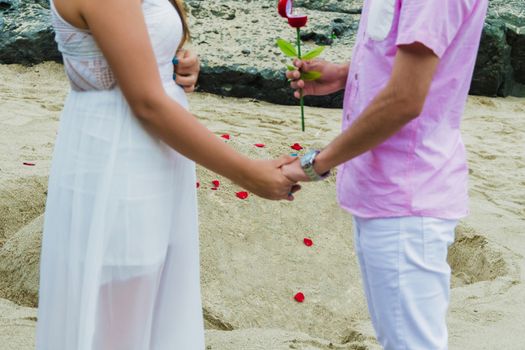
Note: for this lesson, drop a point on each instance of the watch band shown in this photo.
(307, 163)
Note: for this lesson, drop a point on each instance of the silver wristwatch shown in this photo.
(307, 163)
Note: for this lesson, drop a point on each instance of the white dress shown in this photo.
(120, 251)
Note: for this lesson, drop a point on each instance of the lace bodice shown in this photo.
(86, 66)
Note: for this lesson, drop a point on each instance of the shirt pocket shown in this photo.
(380, 19)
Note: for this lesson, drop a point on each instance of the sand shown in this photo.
(251, 251)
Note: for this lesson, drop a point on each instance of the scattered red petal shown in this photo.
(242, 195)
(216, 183)
(296, 147)
(299, 297)
(28, 164)
(225, 136)
(308, 242)
(198, 184)
(214, 188)
(260, 145)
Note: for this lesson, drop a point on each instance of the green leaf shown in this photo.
(311, 75)
(291, 68)
(287, 48)
(314, 53)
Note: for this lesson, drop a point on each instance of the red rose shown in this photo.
(308, 242)
(242, 195)
(297, 21)
(216, 183)
(284, 7)
(225, 136)
(299, 297)
(296, 147)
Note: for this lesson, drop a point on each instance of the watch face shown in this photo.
(307, 159)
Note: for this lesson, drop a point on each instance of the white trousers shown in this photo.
(406, 279)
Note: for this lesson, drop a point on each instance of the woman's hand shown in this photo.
(187, 69)
(333, 77)
(265, 179)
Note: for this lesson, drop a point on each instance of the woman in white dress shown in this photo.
(120, 251)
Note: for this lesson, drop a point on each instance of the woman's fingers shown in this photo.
(188, 61)
(186, 81)
(187, 70)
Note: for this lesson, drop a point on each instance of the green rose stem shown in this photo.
(301, 90)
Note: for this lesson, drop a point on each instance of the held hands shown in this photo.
(294, 172)
(333, 77)
(265, 179)
(187, 69)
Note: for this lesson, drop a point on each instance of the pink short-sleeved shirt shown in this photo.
(421, 170)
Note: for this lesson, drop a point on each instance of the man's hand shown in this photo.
(187, 70)
(294, 172)
(333, 77)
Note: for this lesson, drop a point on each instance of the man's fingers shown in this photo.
(299, 84)
(293, 75)
(298, 63)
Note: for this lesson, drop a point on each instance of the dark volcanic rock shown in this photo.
(500, 67)
(493, 72)
(26, 35)
(264, 84)
(349, 6)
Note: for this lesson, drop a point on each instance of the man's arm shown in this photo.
(401, 101)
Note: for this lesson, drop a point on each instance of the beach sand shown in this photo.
(253, 258)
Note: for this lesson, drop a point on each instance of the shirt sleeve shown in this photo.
(433, 23)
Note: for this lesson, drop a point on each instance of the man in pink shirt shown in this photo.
(403, 172)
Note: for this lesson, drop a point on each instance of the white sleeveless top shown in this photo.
(86, 66)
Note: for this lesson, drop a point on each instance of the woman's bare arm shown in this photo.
(120, 30)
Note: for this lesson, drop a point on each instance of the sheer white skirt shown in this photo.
(120, 251)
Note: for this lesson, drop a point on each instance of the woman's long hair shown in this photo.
(179, 6)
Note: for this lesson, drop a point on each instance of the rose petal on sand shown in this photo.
(225, 136)
(296, 147)
(299, 297)
(242, 195)
(198, 184)
(28, 164)
(260, 145)
(308, 242)
(214, 188)
(216, 183)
